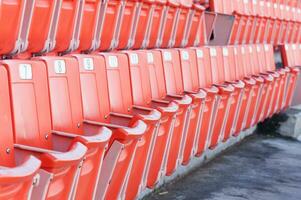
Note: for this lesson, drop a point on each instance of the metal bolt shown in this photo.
(106, 116)
(46, 136)
(78, 125)
(129, 109)
(8, 150)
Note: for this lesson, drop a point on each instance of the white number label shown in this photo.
(25, 71)
(59, 67)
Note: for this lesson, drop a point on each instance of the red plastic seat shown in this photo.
(167, 90)
(197, 34)
(68, 26)
(17, 172)
(90, 25)
(128, 24)
(61, 161)
(131, 137)
(225, 93)
(156, 27)
(191, 86)
(43, 26)
(68, 120)
(144, 23)
(153, 78)
(170, 24)
(145, 164)
(119, 83)
(15, 16)
(183, 25)
(237, 95)
(211, 102)
(291, 59)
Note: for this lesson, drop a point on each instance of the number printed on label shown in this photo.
(167, 56)
(150, 57)
(25, 71)
(113, 61)
(134, 58)
(225, 51)
(88, 64)
(59, 67)
(213, 52)
(199, 53)
(185, 55)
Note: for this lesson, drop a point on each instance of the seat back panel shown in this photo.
(30, 102)
(65, 94)
(156, 72)
(119, 82)
(203, 65)
(94, 87)
(140, 80)
(189, 69)
(172, 71)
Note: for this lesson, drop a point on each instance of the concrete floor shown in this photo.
(259, 168)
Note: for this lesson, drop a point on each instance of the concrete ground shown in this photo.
(259, 168)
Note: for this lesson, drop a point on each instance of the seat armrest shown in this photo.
(20, 173)
(151, 116)
(52, 158)
(123, 133)
(100, 138)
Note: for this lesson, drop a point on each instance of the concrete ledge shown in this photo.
(292, 126)
(197, 162)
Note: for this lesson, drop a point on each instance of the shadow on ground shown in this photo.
(262, 167)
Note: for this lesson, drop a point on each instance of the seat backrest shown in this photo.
(6, 129)
(12, 25)
(229, 63)
(172, 71)
(239, 56)
(203, 65)
(156, 74)
(140, 77)
(248, 61)
(216, 64)
(30, 102)
(90, 23)
(43, 25)
(253, 58)
(119, 82)
(69, 23)
(189, 69)
(260, 59)
(269, 58)
(65, 94)
(94, 87)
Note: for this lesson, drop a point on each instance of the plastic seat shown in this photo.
(144, 166)
(90, 25)
(18, 174)
(128, 24)
(168, 91)
(209, 111)
(68, 121)
(125, 105)
(170, 24)
(68, 26)
(41, 37)
(197, 34)
(291, 59)
(144, 24)
(157, 24)
(15, 17)
(241, 74)
(154, 92)
(132, 138)
(237, 95)
(61, 161)
(183, 25)
(191, 86)
(225, 93)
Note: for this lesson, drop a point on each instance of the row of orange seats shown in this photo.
(108, 125)
(39, 26)
(259, 21)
